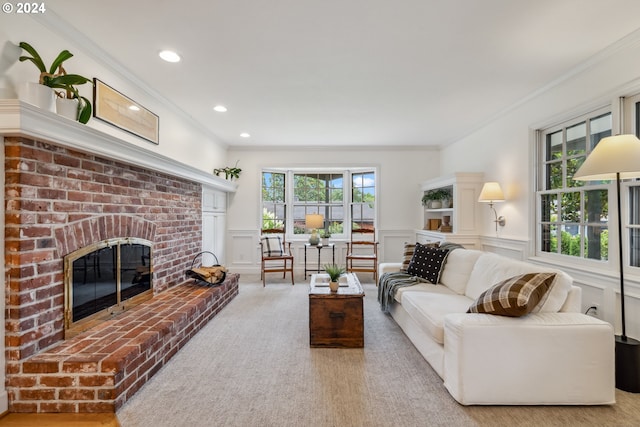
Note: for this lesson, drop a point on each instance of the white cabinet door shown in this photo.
(213, 233)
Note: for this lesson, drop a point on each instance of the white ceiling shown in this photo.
(350, 72)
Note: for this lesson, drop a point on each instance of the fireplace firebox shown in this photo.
(105, 279)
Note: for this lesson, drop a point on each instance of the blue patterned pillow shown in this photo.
(427, 262)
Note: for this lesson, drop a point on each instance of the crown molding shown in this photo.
(21, 119)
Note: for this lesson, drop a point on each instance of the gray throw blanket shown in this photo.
(390, 282)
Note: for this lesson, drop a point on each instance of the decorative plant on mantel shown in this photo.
(57, 78)
(229, 172)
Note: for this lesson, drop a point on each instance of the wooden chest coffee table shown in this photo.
(336, 319)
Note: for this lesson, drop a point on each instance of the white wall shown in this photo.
(180, 138)
(503, 151)
(400, 172)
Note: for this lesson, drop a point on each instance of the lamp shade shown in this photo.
(312, 221)
(491, 192)
(613, 154)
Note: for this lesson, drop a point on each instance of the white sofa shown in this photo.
(554, 355)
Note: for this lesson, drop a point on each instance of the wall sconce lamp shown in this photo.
(313, 222)
(491, 193)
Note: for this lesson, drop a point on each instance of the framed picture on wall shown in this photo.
(113, 107)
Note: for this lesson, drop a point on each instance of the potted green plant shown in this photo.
(334, 271)
(434, 199)
(324, 235)
(229, 172)
(56, 77)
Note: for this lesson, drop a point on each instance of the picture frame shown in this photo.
(117, 109)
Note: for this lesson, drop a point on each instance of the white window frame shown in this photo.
(347, 173)
(540, 175)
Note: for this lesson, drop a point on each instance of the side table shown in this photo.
(319, 247)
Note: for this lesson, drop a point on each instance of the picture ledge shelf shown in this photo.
(18, 118)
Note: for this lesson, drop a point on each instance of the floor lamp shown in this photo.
(615, 158)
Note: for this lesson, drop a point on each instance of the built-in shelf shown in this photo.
(462, 216)
(21, 119)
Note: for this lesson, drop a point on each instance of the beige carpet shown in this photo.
(252, 366)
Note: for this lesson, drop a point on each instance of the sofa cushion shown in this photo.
(422, 287)
(491, 268)
(409, 250)
(515, 296)
(427, 262)
(429, 309)
(457, 270)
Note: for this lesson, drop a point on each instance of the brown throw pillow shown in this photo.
(514, 297)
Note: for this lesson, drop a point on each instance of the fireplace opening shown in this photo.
(105, 279)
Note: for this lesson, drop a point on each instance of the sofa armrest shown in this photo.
(389, 267)
(542, 358)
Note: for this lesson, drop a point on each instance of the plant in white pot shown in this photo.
(334, 271)
(55, 77)
(434, 199)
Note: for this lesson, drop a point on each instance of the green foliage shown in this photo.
(57, 78)
(571, 245)
(334, 271)
(437, 194)
(229, 172)
(269, 220)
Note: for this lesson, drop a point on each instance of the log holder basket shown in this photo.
(196, 273)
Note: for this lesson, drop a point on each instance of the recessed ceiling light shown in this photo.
(220, 108)
(169, 56)
(245, 135)
(134, 108)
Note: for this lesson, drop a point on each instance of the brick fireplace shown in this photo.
(57, 200)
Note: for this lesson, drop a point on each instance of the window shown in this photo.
(288, 196)
(273, 200)
(632, 120)
(318, 193)
(573, 215)
(363, 195)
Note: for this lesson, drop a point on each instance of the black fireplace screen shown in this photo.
(103, 279)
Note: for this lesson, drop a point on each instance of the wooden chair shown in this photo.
(362, 252)
(276, 253)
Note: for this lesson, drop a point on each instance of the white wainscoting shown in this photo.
(243, 250)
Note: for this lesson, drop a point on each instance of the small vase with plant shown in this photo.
(324, 235)
(334, 271)
(56, 77)
(434, 199)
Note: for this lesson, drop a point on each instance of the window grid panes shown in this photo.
(573, 215)
(273, 200)
(363, 199)
(318, 193)
(288, 196)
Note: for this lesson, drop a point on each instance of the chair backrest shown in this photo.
(364, 238)
(274, 231)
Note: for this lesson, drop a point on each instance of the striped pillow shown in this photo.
(272, 246)
(514, 297)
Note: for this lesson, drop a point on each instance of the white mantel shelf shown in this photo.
(21, 119)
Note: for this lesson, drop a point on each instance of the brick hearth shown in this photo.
(58, 200)
(100, 369)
